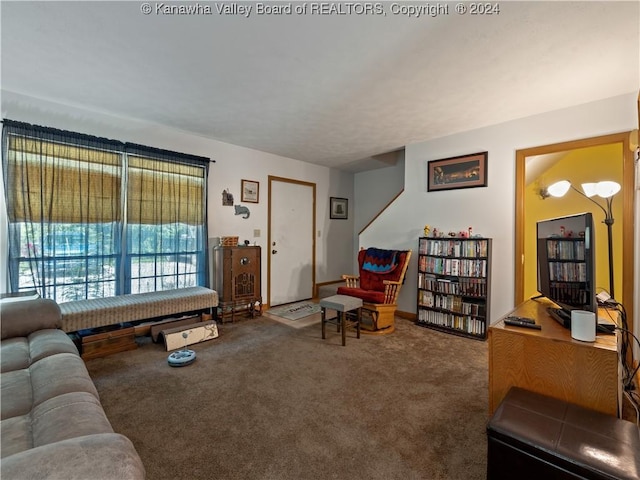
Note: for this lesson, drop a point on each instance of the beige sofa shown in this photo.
(52, 423)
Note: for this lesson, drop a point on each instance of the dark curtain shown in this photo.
(91, 217)
(166, 219)
(64, 211)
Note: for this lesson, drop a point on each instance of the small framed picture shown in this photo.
(467, 171)
(250, 191)
(339, 208)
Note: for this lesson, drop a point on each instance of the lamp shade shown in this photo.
(559, 189)
(589, 189)
(607, 188)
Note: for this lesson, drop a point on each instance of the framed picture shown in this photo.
(467, 171)
(339, 208)
(227, 198)
(250, 191)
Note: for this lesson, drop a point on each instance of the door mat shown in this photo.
(295, 311)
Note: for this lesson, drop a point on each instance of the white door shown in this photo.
(291, 249)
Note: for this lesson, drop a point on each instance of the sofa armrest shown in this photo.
(391, 290)
(21, 318)
(352, 281)
(102, 456)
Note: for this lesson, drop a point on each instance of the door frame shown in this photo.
(271, 180)
(628, 192)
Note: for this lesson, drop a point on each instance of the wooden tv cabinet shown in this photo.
(550, 362)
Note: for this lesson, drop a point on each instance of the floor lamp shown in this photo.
(607, 190)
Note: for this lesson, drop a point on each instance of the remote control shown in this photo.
(520, 323)
(521, 319)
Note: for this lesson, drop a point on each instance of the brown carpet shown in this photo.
(267, 401)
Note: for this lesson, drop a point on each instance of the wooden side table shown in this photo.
(550, 362)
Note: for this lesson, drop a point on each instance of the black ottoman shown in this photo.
(532, 436)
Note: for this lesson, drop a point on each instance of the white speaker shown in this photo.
(583, 325)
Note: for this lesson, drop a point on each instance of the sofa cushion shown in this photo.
(368, 296)
(20, 352)
(16, 435)
(60, 374)
(58, 418)
(44, 343)
(101, 456)
(14, 354)
(17, 395)
(68, 416)
(47, 378)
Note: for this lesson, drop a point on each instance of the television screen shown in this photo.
(566, 264)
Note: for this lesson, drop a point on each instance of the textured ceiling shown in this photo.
(336, 90)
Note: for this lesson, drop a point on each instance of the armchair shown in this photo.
(381, 274)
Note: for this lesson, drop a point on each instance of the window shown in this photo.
(91, 217)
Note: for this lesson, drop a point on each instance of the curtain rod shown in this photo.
(123, 145)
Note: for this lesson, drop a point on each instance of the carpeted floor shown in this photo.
(266, 401)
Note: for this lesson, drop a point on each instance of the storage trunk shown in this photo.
(100, 342)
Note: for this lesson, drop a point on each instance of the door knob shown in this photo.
(274, 251)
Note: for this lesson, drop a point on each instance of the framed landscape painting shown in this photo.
(466, 171)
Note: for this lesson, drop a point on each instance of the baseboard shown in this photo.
(406, 315)
(317, 286)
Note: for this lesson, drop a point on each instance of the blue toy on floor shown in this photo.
(184, 357)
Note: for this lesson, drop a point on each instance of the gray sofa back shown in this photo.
(20, 318)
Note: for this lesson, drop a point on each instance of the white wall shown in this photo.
(374, 189)
(491, 210)
(636, 313)
(334, 249)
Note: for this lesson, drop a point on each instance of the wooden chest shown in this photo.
(100, 342)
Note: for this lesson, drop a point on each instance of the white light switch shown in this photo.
(256, 232)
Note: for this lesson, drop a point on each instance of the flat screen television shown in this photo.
(566, 264)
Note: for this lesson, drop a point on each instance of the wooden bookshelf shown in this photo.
(454, 285)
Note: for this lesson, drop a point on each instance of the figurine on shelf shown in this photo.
(435, 232)
(463, 234)
(427, 229)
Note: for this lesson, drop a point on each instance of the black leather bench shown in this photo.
(532, 436)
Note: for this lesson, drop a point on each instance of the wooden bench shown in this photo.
(100, 312)
(533, 436)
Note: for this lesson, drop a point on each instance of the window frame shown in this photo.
(118, 253)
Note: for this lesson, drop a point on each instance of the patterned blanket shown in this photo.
(377, 260)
